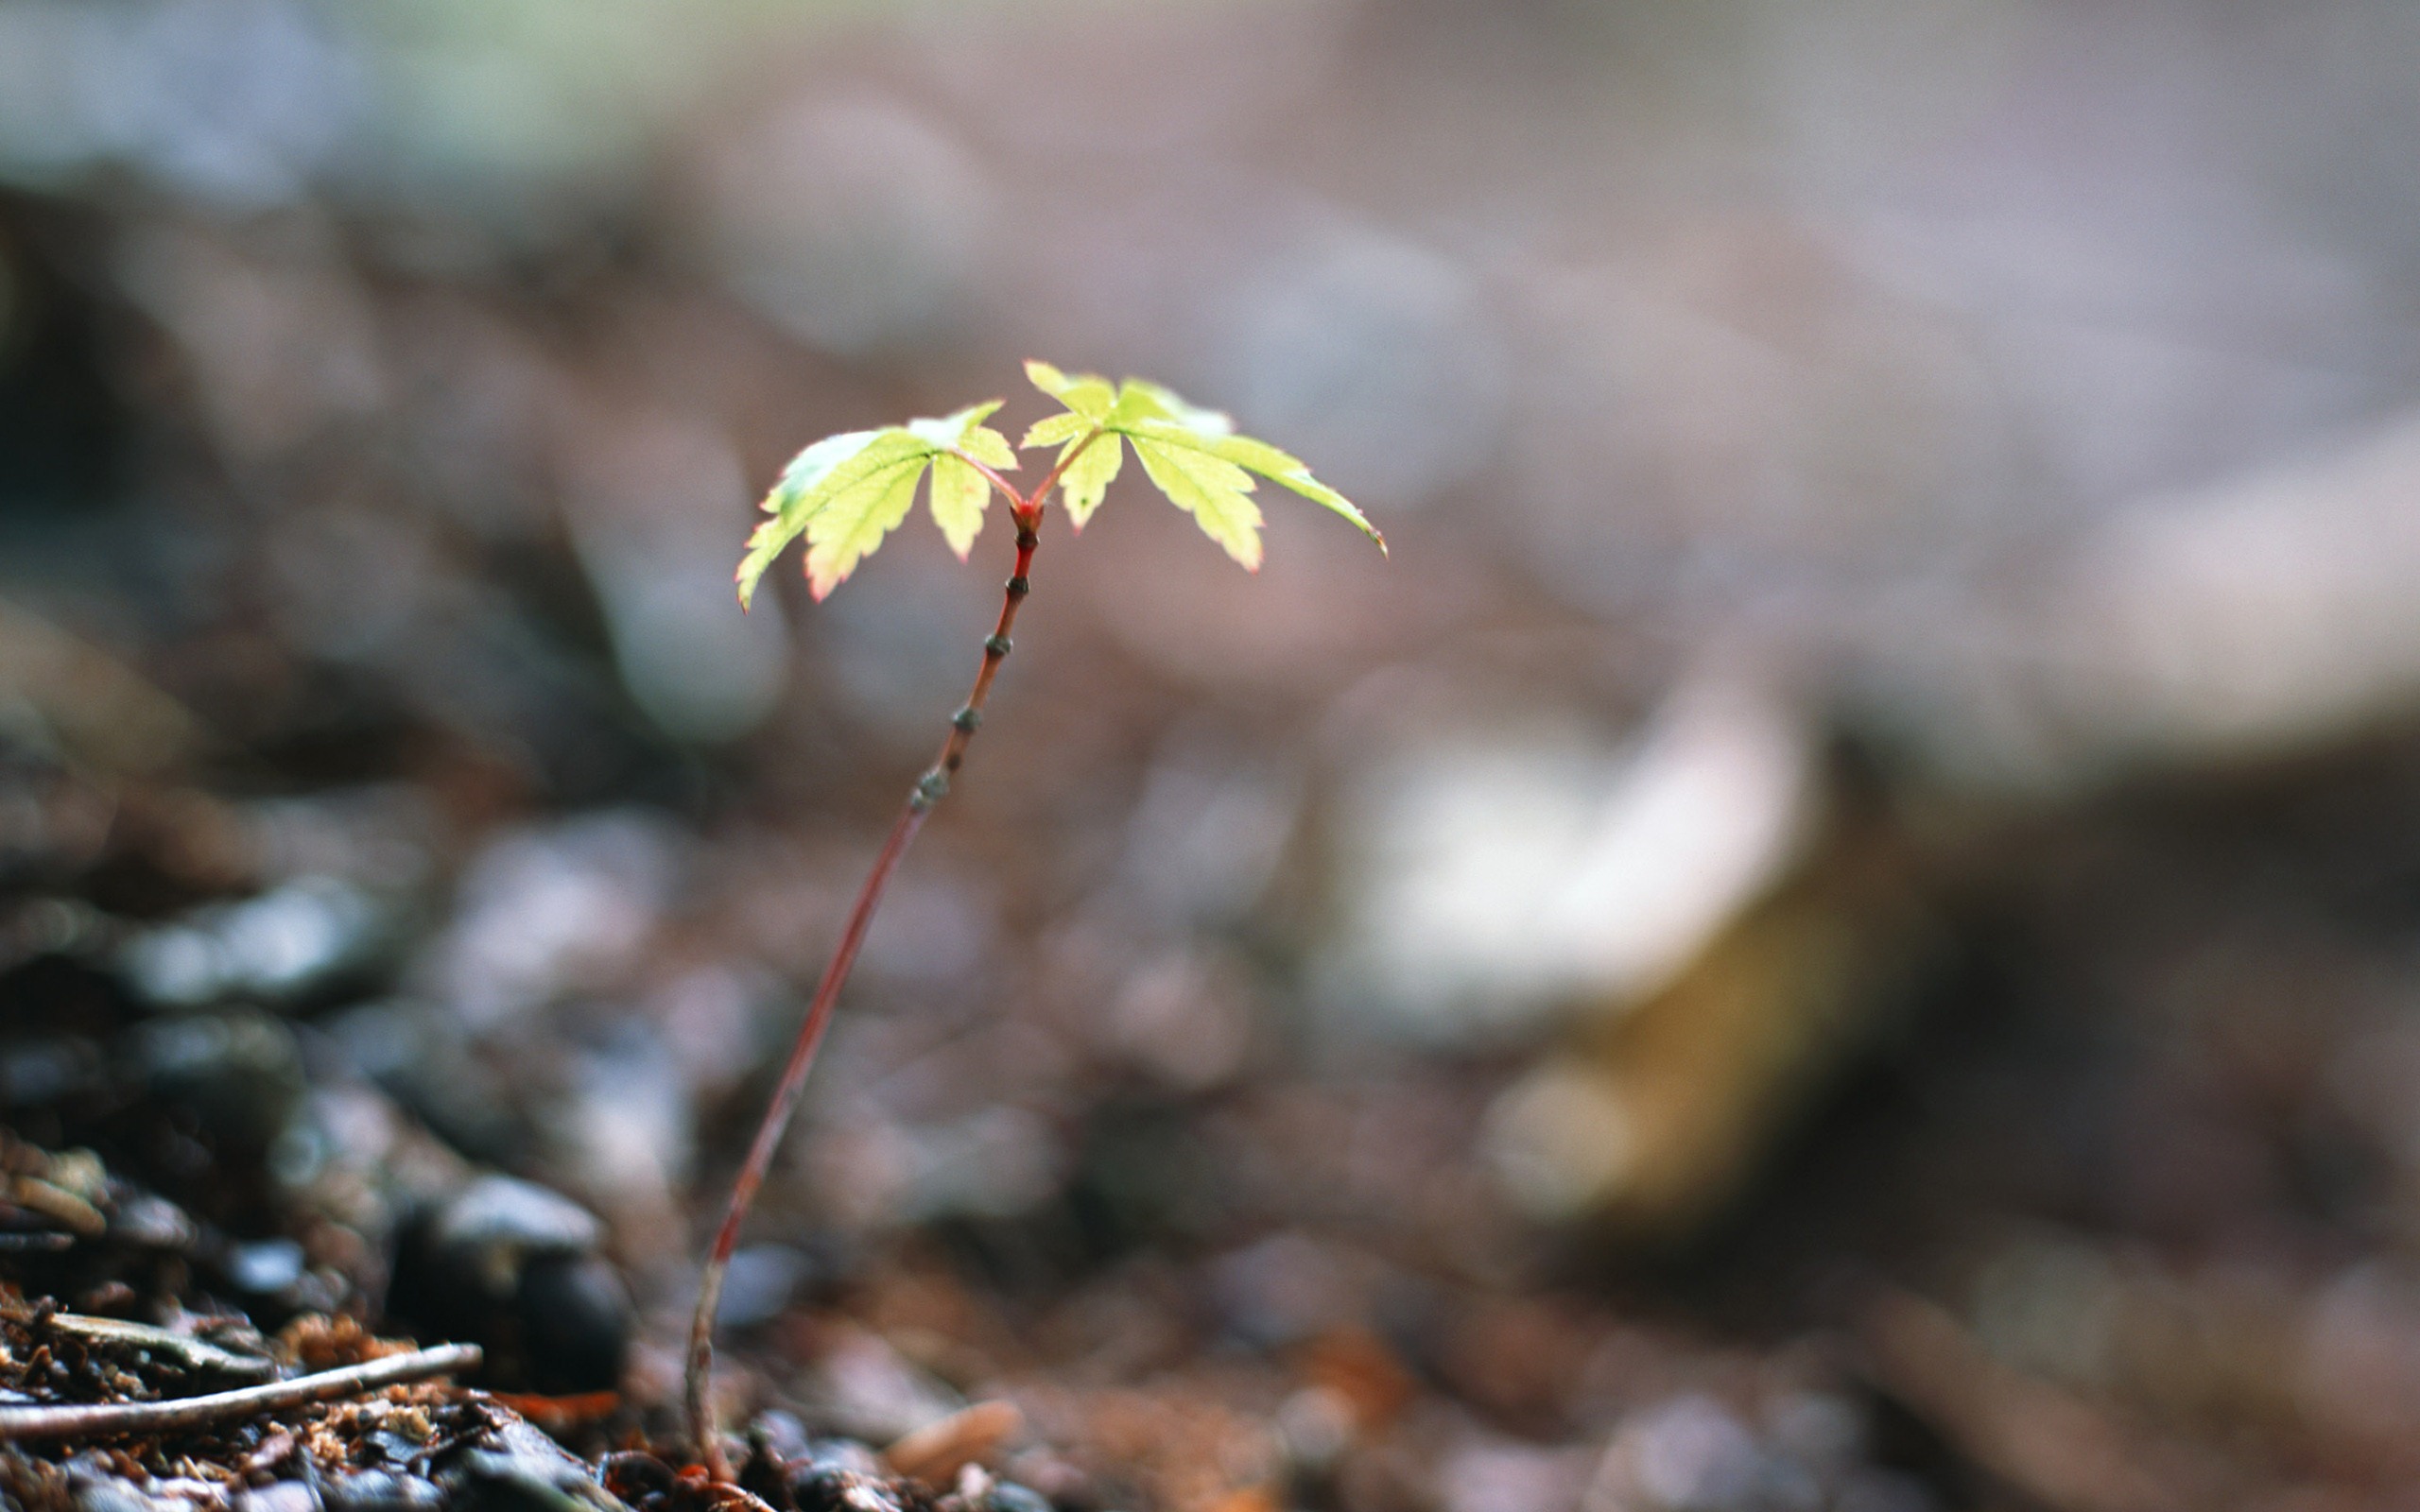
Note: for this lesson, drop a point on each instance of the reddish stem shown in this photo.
(929, 790)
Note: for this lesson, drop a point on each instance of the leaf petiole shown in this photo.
(1007, 492)
(1050, 479)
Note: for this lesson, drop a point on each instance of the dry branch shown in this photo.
(118, 1419)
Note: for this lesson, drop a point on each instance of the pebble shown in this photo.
(758, 1285)
(281, 945)
(264, 1267)
(100, 1493)
(513, 1266)
(152, 1222)
(240, 1071)
(494, 1222)
(576, 1317)
(282, 1496)
(516, 1466)
(1690, 1454)
(863, 1387)
(823, 1488)
(936, 1453)
(39, 1072)
(381, 1491)
(420, 1054)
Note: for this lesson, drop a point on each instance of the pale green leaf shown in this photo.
(764, 543)
(1287, 472)
(1147, 409)
(853, 521)
(846, 492)
(1140, 399)
(958, 495)
(989, 447)
(1214, 490)
(1089, 475)
(803, 488)
(1056, 430)
(965, 432)
(1088, 394)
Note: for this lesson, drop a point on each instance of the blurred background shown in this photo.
(1838, 928)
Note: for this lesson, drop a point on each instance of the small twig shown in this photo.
(119, 1420)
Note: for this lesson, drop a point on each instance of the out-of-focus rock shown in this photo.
(84, 702)
(90, 92)
(993, 1163)
(863, 1387)
(515, 1267)
(759, 1284)
(421, 1053)
(281, 945)
(1714, 919)
(547, 911)
(239, 1070)
(1488, 884)
(2262, 616)
(621, 1136)
(1659, 1111)
(654, 504)
(852, 222)
(1507, 1477)
(1371, 352)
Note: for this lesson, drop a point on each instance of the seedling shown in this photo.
(844, 494)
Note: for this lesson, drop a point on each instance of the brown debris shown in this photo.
(2047, 1442)
(936, 1453)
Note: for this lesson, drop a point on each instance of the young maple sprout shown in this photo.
(844, 494)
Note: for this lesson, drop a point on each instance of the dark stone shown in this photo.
(517, 1468)
(576, 1320)
(380, 1491)
(284, 1496)
(512, 1266)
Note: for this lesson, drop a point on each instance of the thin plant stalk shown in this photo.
(929, 790)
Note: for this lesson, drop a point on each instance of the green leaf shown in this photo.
(1139, 399)
(1087, 394)
(805, 485)
(1056, 430)
(1192, 454)
(1214, 490)
(965, 432)
(846, 492)
(958, 495)
(1287, 472)
(1088, 476)
(847, 531)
